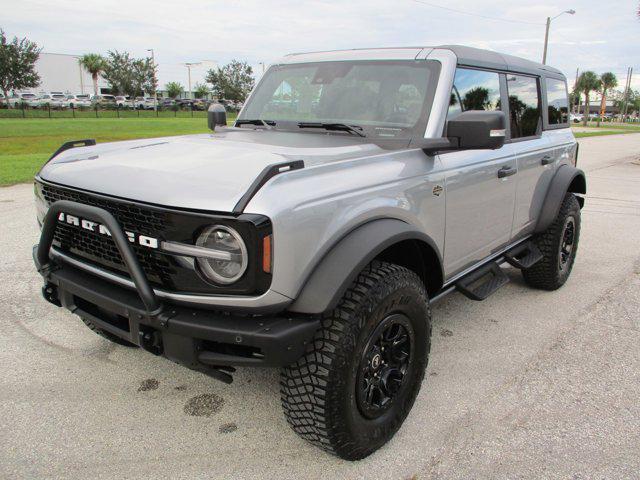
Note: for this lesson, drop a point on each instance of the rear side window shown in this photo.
(474, 90)
(557, 102)
(524, 106)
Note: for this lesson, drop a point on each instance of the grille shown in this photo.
(101, 250)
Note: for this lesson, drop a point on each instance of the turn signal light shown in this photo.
(266, 254)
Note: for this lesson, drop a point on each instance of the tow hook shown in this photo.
(150, 340)
(50, 294)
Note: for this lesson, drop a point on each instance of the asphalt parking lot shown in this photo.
(527, 384)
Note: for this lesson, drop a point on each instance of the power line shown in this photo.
(499, 19)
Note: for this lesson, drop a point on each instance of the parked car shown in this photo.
(123, 102)
(199, 104)
(576, 117)
(78, 101)
(26, 99)
(144, 103)
(104, 100)
(52, 100)
(191, 103)
(168, 102)
(315, 241)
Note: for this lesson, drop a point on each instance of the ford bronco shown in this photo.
(355, 189)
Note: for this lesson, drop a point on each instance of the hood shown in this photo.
(202, 172)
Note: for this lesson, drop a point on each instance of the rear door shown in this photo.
(535, 155)
(479, 204)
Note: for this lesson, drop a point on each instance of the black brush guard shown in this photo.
(203, 340)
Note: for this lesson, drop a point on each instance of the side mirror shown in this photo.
(216, 115)
(477, 129)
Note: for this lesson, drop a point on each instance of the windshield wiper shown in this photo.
(257, 121)
(341, 127)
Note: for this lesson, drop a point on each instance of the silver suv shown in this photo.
(355, 189)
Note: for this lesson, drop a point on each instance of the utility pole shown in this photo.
(153, 66)
(626, 93)
(577, 100)
(189, 65)
(546, 33)
(546, 41)
(81, 79)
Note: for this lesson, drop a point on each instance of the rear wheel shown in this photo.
(356, 383)
(559, 245)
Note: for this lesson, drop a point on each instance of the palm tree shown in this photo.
(587, 82)
(608, 80)
(173, 89)
(94, 64)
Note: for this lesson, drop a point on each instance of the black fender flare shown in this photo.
(566, 179)
(333, 275)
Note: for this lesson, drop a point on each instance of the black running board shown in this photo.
(523, 256)
(481, 283)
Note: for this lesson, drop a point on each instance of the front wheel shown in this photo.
(356, 383)
(559, 245)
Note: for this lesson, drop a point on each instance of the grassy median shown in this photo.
(25, 144)
(605, 128)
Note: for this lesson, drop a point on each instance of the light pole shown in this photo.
(189, 65)
(155, 92)
(546, 33)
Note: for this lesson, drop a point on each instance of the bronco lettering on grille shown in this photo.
(95, 227)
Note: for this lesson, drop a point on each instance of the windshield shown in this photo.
(384, 98)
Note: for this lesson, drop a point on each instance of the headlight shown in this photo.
(229, 242)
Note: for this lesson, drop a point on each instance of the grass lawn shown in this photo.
(606, 129)
(25, 144)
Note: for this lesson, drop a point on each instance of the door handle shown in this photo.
(507, 172)
(546, 160)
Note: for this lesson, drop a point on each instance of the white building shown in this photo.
(60, 72)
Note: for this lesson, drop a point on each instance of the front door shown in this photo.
(479, 204)
(480, 184)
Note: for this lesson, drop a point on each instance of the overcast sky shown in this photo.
(603, 35)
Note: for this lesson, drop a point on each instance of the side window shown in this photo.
(524, 106)
(474, 90)
(557, 103)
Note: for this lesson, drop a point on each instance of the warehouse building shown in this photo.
(60, 72)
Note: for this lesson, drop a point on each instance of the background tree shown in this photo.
(173, 89)
(234, 81)
(94, 64)
(17, 64)
(143, 78)
(129, 76)
(608, 81)
(118, 72)
(477, 99)
(201, 90)
(587, 82)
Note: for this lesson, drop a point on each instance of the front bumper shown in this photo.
(200, 339)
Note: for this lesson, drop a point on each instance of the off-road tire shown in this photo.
(318, 392)
(547, 274)
(108, 335)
